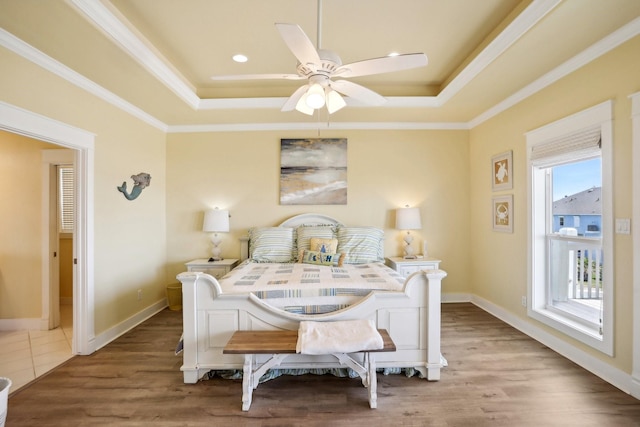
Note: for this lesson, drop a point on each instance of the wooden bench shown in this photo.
(282, 344)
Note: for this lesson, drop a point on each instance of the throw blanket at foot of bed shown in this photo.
(282, 344)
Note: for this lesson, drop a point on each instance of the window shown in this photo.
(570, 226)
(66, 220)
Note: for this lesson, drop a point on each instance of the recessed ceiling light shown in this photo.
(240, 58)
(393, 54)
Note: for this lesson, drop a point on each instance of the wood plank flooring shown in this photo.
(497, 376)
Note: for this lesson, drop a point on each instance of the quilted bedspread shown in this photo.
(310, 289)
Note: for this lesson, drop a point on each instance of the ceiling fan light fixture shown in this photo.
(315, 97)
(303, 107)
(335, 101)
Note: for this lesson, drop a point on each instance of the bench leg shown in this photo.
(367, 372)
(247, 386)
(251, 378)
(373, 380)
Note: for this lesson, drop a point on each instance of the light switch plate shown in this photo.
(623, 226)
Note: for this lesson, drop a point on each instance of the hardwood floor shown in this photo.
(497, 376)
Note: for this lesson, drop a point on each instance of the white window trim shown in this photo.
(601, 115)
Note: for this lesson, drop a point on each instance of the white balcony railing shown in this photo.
(576, 268)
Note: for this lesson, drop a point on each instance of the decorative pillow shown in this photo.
(320, 258)
(361, 244)
(305, 233)
(271, 244)
(328, 246)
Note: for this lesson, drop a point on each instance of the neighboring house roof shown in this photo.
(587, 202)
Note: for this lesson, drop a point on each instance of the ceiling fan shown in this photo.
(325, 73)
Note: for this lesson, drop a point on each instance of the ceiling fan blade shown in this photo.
(293, 99)
(258, 77)
(386, 64)
(299, 43)
(358, 92)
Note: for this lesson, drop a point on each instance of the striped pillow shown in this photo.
(271, 244)
(361, 245)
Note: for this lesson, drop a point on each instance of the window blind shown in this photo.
(66, 201)
(578, 145)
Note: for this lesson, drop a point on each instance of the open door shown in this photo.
(52, 192)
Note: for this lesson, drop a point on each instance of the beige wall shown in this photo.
(130, 236)
(20, 226)
(499, 261)
(386, 169)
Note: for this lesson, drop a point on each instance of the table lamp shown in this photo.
(408, 219)
(216, 221)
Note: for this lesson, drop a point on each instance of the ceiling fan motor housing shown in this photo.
(329, 63)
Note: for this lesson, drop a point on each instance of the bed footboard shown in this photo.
(210, 318)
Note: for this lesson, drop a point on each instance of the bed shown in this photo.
(278, 285)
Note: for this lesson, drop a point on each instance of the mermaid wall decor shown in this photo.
(140, 182)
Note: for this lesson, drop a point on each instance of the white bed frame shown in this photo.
(210, 317)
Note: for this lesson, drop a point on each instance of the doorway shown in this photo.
(17, 120)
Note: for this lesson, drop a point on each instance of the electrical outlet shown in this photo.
(139, 294)
(524, 301)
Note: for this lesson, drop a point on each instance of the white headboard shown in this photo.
(309, 219)
(294, 221)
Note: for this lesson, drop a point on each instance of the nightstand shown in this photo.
(215, 268)
(408, 266)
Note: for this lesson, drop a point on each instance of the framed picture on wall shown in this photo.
(502, 171)
(503, 213)
(313, 171)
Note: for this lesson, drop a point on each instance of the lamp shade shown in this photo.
(334, 101)
(216, 220)
(315, 97)
(408, 219)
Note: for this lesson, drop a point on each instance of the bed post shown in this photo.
(190, 326)
(434, 357)
(244, 248)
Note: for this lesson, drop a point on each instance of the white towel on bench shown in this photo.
(345, 336)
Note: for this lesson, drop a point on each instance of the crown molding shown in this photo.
(598, 49)
(137, 47)
(249, 127)
(277, 102)
(516, 29)
(591, 53)
(32, 54)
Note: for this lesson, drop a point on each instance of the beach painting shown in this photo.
(313, 171)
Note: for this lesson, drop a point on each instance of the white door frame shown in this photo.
(23, 122)
(635, 179)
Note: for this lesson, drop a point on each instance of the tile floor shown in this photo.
(26, 355)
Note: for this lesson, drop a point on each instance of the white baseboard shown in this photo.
(613, 376)
(123, 327)
(456, 297)
(20, 324)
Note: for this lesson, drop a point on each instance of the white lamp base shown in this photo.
(216, 251)
(408, 249)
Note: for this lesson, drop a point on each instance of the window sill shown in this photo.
(586, 334)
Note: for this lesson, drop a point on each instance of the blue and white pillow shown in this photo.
(361, 245)
(271, 244)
